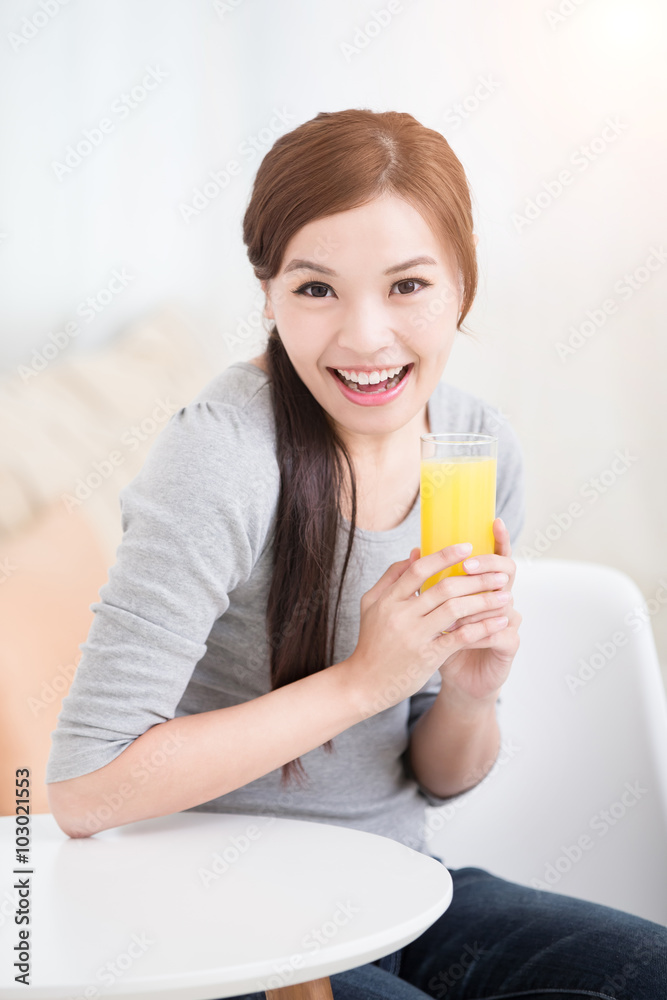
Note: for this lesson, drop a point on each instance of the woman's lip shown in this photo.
(376, 398)
(353, 368)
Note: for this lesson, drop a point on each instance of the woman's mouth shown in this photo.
(372, 394)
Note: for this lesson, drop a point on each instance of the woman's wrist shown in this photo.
(467, 706)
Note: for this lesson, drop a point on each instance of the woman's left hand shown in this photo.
(476, 673)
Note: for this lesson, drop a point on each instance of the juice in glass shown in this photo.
(457, 495)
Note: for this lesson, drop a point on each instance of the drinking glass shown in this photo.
(458, 495)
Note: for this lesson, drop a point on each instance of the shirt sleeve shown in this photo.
(194, 521)
(511, 506)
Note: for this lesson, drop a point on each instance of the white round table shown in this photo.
(196, 906)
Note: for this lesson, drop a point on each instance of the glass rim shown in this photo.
(458, 437)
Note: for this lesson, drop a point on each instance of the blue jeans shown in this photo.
(498, 939)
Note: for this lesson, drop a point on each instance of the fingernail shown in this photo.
(471, 563)
(462, 548)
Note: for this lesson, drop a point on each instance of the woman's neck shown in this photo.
(383, 455)
(388, 484)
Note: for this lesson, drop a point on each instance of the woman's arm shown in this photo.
(455, 743)
(453, 747)
(200, 757)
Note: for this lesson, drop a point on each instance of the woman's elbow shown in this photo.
(67, 809)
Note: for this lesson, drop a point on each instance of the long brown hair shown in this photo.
(332, 163)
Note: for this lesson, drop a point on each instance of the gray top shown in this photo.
(180, 626)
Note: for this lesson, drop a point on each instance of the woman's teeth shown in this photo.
(388, 376)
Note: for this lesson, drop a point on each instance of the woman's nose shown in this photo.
(365, 334)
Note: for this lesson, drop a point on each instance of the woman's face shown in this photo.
(346, 298)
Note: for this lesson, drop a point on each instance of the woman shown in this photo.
(262, 583)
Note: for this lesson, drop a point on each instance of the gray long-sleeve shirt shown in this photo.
(180, 626)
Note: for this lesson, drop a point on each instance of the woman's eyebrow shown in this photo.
(299, 264)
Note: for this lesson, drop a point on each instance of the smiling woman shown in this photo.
(248, 622)
(350, 265)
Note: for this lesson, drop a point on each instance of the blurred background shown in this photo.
(131, 136)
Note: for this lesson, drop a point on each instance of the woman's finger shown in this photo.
(420, 570)
(504, 640)
(491, 563)
(480, 615)
(501, 535)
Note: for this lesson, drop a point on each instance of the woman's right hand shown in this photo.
(402, 641)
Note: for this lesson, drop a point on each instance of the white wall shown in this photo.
(553, 81)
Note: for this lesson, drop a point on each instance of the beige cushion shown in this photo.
(79, 430)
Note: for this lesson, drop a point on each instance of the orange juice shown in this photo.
(458, 504)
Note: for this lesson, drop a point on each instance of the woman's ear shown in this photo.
(475, 238)
(268, 310)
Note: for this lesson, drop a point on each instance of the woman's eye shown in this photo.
(319, 286)
(413, 282)
(320, 289)
(313, 284)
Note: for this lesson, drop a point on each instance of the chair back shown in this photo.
(577, 800)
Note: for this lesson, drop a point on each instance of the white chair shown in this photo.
(577, 801)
